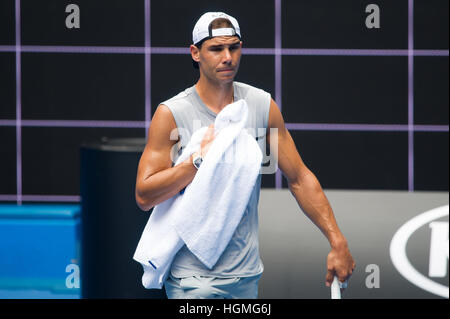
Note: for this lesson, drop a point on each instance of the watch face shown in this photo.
(197, 162)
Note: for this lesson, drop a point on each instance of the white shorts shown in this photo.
(200, 287)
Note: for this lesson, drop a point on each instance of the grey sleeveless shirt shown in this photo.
(241, 256)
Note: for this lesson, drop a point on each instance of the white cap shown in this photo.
(202, 31)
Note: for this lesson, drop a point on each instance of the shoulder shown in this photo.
(178, 107)
(168, 110)
(163, 118)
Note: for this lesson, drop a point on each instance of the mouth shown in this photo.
(226, 70)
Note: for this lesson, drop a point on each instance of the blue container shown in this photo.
(39, 248)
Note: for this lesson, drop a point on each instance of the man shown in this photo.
(216, 51)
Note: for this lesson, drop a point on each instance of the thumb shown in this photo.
(329, 277)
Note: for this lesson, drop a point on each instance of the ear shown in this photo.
(195, 53)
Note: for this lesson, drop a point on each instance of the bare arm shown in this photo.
(308, 193)
(156, 179)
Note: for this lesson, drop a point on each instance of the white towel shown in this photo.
(207, 214)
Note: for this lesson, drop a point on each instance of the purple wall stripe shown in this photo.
(41, 198)
(167, 50)
(93, 124)
(289, 126)
(148, 51)
(249, 51)
(410, 95)
(365, 127)
(278, 77)
(430, 128)
(429, 52)
(18, 104)
(74, 49)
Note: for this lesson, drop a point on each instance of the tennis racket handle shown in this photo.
(335, 289)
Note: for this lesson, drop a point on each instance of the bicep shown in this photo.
(162, 136)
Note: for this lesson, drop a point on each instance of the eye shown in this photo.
(234, 47)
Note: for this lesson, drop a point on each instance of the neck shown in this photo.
(215, 96)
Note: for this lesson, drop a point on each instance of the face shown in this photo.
(219, 58)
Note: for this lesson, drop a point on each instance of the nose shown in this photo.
(227, 56)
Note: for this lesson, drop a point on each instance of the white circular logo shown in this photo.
(401, 262)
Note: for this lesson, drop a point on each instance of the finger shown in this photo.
(342, 277)
(329, 278)
(343, 281)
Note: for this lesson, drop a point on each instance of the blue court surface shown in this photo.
(39, 245)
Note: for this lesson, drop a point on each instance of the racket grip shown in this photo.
(335, 289)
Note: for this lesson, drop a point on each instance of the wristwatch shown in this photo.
(197, 161)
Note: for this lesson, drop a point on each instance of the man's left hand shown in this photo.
(340, 263)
